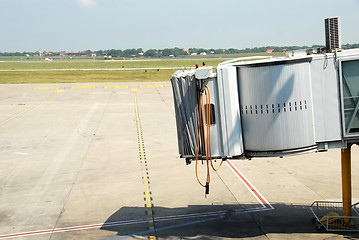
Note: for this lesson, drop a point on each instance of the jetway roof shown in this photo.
(297, 56)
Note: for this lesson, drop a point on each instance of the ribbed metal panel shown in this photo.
(186, 104)
(332, 33)
(186, 108)
(276, 106)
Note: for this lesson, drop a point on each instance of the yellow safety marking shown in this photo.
(116, 86)
(153, 238)
(82, 87)
(150, 86)
(60, 90)
(134, 89)
(26, 110)
(147, 195)
(47, 88)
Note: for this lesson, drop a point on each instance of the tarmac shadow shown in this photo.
(214, 221)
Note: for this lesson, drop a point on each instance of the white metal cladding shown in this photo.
(231, 128)
(186, 108)
(216, 137)
(186, 104)
(276, 106)
(326, 98)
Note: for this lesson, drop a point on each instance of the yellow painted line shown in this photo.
(147, 193)
(60, 90)
(47, 88)
(150, 86)
(116, 86)
(83, 87)
(26, 110)
(134, 89)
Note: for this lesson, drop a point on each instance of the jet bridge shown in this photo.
(268, 106)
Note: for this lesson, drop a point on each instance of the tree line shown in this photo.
(158, 53)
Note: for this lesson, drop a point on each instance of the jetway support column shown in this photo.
(346, 181)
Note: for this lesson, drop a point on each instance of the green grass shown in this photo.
(107, 64)
(73, 76)
(84, 76)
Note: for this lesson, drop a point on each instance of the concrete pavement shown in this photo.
(77, 162)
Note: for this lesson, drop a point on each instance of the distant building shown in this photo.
(269, 50)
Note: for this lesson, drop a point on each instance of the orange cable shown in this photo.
(209, 129)
(199, 131)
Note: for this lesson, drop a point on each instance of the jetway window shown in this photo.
(350, 96)
(212, 113)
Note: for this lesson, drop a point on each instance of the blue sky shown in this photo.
(74, 25)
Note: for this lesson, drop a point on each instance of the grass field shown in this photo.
(107, 64)
(84, 76)
(14, 72)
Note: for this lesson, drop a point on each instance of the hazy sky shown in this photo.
(74, 25)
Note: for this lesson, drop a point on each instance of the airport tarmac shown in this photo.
(100, 161)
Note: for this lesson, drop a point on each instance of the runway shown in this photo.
(100, 161)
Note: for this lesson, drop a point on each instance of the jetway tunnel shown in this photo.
(269, 107)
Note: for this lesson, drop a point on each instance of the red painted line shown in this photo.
(129, 222)
(77, 228)
(254, 191)
(112, 224)
(246, 182)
